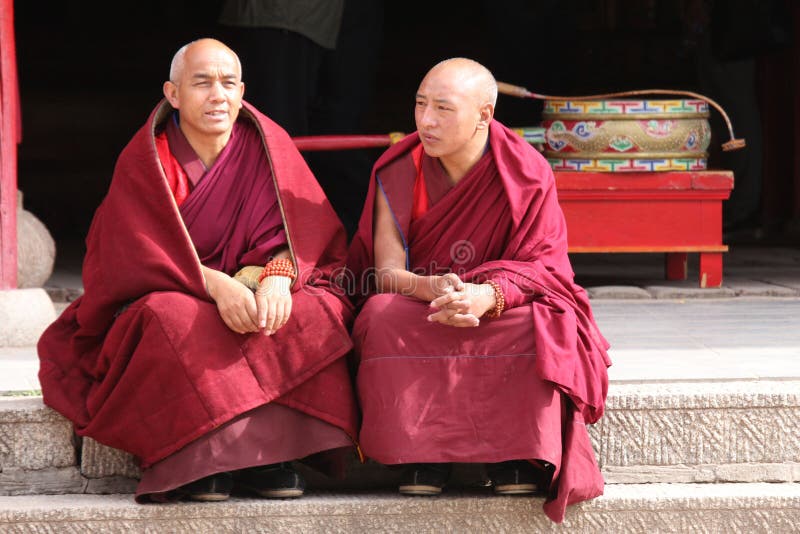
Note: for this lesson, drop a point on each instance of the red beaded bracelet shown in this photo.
(499, 300)
(278, 267)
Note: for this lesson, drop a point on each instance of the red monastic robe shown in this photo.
(521, 386)
(144, 363)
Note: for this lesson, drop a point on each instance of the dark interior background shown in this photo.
(90, 72)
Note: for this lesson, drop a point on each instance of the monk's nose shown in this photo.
(427, 118)
(217, 91)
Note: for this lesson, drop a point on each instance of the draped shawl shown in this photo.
(143, 362)
(571, 351)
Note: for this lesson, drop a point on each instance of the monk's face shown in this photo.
(208, 91)
(447, 112)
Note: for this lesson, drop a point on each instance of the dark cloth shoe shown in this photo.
(216, 487)
(519, 477)
(273, 481)
(424, 479)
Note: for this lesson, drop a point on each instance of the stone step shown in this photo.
(684, 432)
(743, 507)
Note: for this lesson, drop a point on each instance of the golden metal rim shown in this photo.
(625, 155)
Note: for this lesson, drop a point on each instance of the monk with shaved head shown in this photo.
(209, 341)
(475, 345)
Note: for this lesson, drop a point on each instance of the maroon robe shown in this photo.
(520, 386)
(143, 362)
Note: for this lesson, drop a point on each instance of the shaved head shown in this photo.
(179, 59)
(206, 89)
(453, 111)
(471, 76)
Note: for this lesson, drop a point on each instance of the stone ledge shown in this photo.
(27, 409)
(16, 481)
(705, 394)
(32, 438)
(624, 508)
(709, 473)
(98, 461)
(743, 431)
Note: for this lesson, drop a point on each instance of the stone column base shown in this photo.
(24, 315)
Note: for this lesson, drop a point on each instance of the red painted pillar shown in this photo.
(10, 133)
(795, 67)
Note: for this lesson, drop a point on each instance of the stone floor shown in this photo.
(659, 330)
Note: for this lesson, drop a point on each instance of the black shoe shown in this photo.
(273, 481)
(424, 479)
(216, 487)
(517, 477)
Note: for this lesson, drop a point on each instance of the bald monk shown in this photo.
(209, 341)
(475, 344)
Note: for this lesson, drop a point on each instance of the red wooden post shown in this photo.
(795, 68)
(710, 269)
(9, 137)
(676, 265)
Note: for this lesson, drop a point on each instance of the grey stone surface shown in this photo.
(618, 292)
(55, 480)
(20, 370)
(676, 432)
(752, 508)
(705, 340)
(683, 290)
(62, 295)
(36, 249)
(726, 431)
(24, 315)
(787, 280)
(109, 485)
(750, 270)
(753, 287)
(710, 473)
(98, 460)
(33, 437)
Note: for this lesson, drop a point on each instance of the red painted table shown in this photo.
(671, 212)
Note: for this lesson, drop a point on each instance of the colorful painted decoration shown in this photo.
(532, 134)
(626, 135)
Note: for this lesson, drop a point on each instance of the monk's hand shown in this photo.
(274, 303)
(235, 302)
(463, 308)
(445, 284)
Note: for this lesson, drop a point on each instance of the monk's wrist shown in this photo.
(496, 297)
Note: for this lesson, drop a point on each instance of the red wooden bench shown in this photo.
(671, 212)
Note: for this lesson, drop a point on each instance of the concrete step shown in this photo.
(683, 432)
(752, 508)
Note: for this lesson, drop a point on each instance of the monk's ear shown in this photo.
(486, 114)
(241, 94)
(171, 93)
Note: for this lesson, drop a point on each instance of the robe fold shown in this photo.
(521, 386)
(143, 361)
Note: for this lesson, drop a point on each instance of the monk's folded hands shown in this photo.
(274, 303)
(463, 308)
(446, 283)
(235, 302)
